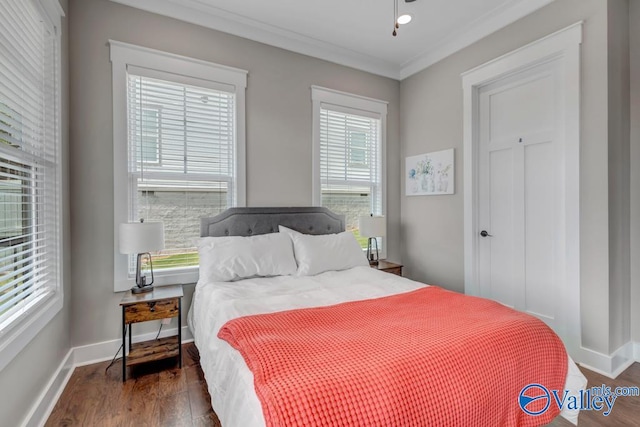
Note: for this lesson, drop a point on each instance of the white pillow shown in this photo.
(317, 254)
(223, 259)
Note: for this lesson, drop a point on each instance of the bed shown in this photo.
(230, 381)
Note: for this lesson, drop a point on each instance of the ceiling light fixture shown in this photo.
(404, 19)
(395, 18)
(399, 20)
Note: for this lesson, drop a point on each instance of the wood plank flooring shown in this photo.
(155, 394)
(161, 395)
(626, 410)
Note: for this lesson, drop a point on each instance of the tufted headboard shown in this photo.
(252, 221)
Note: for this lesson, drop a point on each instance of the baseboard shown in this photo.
(80, 356)
(106, 350)
(610, 365)
(44, 404)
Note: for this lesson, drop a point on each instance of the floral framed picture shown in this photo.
(430, 174)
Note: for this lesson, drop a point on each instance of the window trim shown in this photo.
(124, 56)
(351, 104)
(19, 335)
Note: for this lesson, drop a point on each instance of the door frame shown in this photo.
(563, 45)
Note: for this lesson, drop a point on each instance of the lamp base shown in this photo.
(371, 256)
(141, 289)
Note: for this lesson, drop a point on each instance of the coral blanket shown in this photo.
(430, 357)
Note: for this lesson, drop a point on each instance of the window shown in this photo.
(348, 140)
(182, 154)
(30, 189)
(357, 144)
(147, 130)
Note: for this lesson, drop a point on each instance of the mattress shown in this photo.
(229, 380)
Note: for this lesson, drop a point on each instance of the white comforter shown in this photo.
(229, 379)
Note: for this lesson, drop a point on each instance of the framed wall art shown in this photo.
(430, 174)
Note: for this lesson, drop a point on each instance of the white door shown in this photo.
(521, 190)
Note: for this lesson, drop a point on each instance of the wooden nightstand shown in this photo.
(164, 302)
(389, 267)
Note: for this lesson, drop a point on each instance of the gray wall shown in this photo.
(278, 135)
(634, 38)
(431, 105)
(25, 378)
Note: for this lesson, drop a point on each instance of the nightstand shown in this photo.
(164, 302)
(389, 267)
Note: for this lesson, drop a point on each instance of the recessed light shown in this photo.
(404, 19)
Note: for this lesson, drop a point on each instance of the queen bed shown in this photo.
(230, 292)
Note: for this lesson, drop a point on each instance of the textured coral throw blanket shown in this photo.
(424, 358)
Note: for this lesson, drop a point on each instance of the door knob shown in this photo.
(484, 233)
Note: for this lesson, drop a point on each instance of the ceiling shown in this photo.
(355, 33)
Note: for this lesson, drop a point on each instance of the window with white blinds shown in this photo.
(348, 147)
(178, 152)
(30, 191)
(181, 161)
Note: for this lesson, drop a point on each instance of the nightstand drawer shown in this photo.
(396, 271)
(388, 267)
(151, 310)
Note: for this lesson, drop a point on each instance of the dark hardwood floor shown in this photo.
(155, 394)
(160, 394)
(626, 410)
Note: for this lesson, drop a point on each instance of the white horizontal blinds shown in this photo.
(350, 163)
(29, 217)
(181, 160)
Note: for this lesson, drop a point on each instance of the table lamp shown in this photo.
(141, 238)
(372, 227)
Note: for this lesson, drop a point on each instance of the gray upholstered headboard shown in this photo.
(252, 221)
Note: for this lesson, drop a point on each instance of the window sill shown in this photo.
(174, 278)
(21, 334)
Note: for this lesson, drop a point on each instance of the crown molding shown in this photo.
(200, 13)
(485, 25)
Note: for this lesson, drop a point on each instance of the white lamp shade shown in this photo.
(139, 237)
(373, 226)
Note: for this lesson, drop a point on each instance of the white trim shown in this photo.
(316, 185)
(17, 336)
(102, 351)
(52, 11)
(196, 12)
(144, 57)
(124, 55)
(46, 401)
(180, 78)
(105, 350)
(565, 45)
(350, 100)
(24, 331)
(547, 46)
(610, 365)
(487, 24)
(82, 356)
(636, 351)
(361, 105)
(206, 15)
